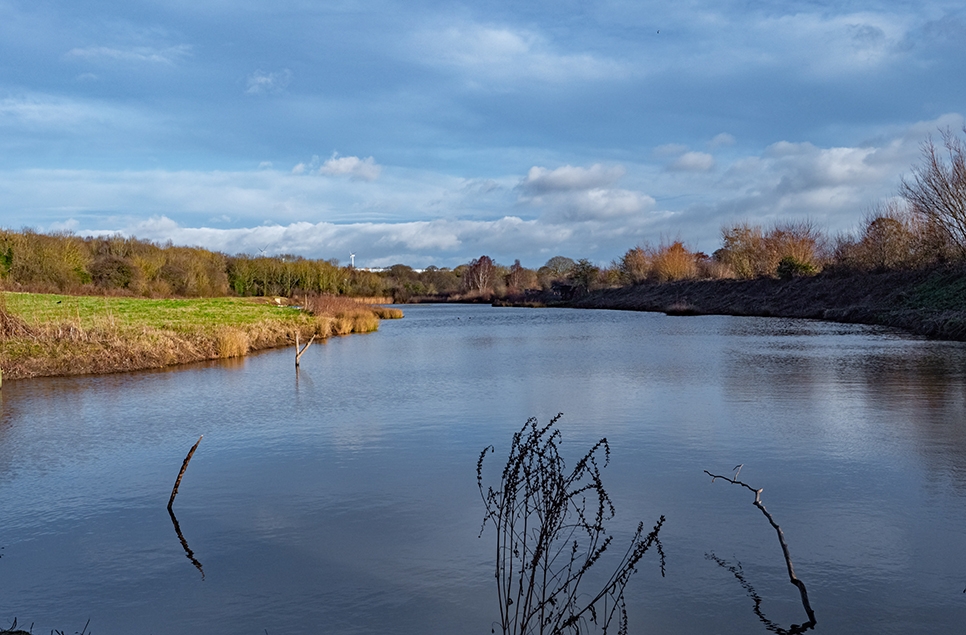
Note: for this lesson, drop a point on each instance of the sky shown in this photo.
(431, 133)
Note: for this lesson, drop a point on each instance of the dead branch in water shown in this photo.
(184, 466)
(781, 540)
(298, 353)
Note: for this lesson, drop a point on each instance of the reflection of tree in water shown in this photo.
(739, 574)
(924, 392)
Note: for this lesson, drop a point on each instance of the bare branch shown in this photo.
(781, 540)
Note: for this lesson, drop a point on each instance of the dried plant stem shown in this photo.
(781, 540)
(184, 466)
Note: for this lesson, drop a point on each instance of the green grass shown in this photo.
(940, 293)
(180, 315)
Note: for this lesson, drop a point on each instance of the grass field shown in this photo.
(47, 334)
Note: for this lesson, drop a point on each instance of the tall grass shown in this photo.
(348, 315)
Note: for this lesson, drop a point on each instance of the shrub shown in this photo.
(791, 267)
(635, 265)
(550, 538)
(750, 252)
(673, 262)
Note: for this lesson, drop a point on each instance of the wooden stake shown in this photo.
(184, 466)
(298, 353)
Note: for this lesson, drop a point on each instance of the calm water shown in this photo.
(343, 499)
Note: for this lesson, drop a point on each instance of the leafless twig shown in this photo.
(781, 540)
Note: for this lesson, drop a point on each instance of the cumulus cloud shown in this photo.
(362, 169)
(693, 162)
(262, 83)
(568, 177)
(577, 194)
(430, 218)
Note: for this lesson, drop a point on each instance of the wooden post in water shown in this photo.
(184, 466)
(298, 353)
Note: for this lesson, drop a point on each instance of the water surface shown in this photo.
(343, 499)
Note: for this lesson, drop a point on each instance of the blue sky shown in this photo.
(434, 132)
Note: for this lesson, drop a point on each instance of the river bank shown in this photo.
(925, 302)
(48, 334)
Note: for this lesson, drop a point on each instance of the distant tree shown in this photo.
(635, 265)
(519, 278)
(479, 275)
(560, 266)
(584, 275)
(937, 187)
(555, 270)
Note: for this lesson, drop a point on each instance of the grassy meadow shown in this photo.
(49, 334)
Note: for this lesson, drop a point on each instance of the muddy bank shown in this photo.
(930, 303)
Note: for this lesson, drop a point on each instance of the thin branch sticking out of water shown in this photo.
(184, 466)
(781, 540)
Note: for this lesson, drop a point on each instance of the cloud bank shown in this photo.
(595, 211)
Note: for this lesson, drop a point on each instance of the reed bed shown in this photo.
(45, 334)
(349, 315)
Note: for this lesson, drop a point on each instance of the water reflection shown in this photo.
(738, 572)
(184, 543)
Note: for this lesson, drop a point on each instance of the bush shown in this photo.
(790, 267)
(550, 534)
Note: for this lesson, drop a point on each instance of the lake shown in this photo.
(343, 498)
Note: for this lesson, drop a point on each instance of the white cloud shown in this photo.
(430, 218)
(492, 55)
(568, 177)
(693, 162)
(362, 169)
(576, 194)
(262, 83)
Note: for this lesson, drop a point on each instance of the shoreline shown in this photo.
(930, 303)
(55, 336)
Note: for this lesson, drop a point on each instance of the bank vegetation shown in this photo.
(57, 334)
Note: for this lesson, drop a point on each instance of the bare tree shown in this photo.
(479, 275)
(937, 187)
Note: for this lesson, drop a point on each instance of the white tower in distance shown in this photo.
(352, 260)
